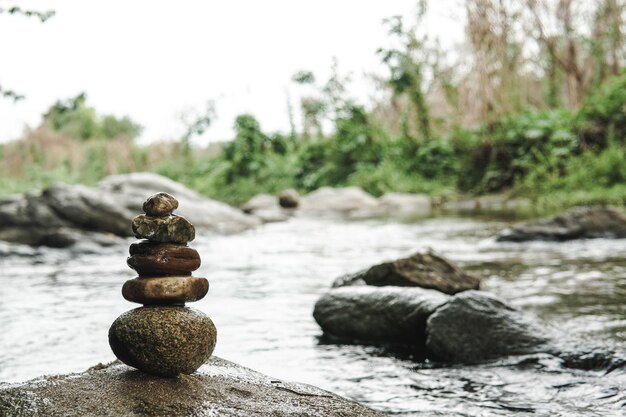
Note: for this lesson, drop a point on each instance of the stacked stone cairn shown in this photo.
(163, 337)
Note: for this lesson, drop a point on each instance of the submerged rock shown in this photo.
(474, 326)
(164, 341)
(419, 270)
(388, 315)
(63, 215)
(577, 223)
(218, 388)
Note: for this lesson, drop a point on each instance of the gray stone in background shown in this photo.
(219, 388)
(475, 326)
(426, 270)
(66, 215)
(372, 314)
(577, 223)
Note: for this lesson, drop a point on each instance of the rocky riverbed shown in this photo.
(57, 306)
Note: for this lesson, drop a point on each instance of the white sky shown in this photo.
(153, 60)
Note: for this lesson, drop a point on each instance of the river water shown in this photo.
(56, 308)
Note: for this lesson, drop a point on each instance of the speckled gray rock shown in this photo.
(426, 270)
(160, 204)
(165, 290)
(375, 315)
(474, 326)
(219, 388)
(164, 341)
(169, 229)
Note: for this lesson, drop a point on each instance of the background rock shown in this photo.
(341, 200)
(405, 204)
(64, 215)
(388, 315)
(219, 388)
(577, 223)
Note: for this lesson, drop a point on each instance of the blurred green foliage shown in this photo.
(75, 119)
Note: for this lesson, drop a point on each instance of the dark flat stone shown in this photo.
(158, 259)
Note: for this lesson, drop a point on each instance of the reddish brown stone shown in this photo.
(165, 290)
(158, 259)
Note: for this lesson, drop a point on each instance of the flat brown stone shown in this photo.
(160, 204)
(168, 229)
(158, 259)
(165, 290)
(165, 341)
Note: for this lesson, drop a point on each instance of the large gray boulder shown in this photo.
(474, 326)
(577, 223)
(67, 215)
(426, 270)
(406, 204)
(339, 200)
(379, 315)
(219, 388)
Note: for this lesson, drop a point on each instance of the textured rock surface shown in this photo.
(289, 198)
(577, 223)
(64, 215)
(474, 326)
(157, 259)
(169, 229)
(419, 270)
(219, 388)
(389, 314)
(165, 290)
(164, 341)
(160, 204)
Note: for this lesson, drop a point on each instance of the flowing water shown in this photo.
(56, 308)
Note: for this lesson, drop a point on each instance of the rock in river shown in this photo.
(369, 314)
(219, 388)
(474, 326)
(577, 223)
(427, 270)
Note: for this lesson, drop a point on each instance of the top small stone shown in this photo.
(160, 205)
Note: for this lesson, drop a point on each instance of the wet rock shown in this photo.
(341, 200)
(577, 223)
(474, 326)
(164, 341)
(368, 314)
(419, 270)
(219, 388)
(405, 204)
(160, 204)
(153, 259)
(289, 198)
(170, 229)
(165, 290)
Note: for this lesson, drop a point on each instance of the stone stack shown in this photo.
(163, 337)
